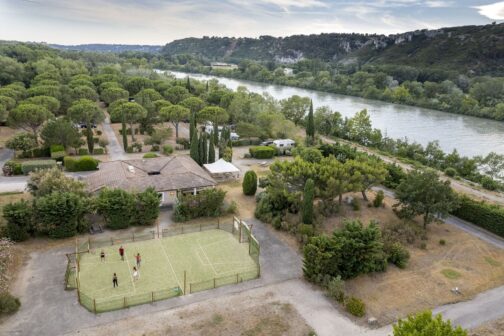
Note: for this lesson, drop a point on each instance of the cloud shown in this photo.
(438, 3)
(295, 3)
(493, 11)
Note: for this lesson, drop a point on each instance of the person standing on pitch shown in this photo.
(114, 281)
(138, 260)
(121, 252)
(102, 255)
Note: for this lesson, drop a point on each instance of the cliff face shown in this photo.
(478, 49)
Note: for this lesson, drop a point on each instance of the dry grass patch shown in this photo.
(493, 328)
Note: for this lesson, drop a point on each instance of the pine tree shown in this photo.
(308, 202)
(211, 152)
(188, 85)
(310, 127)
(194, 152)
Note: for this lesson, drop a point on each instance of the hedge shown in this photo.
(246, 142)
(150, 155)
(98, 151)
(29, 166)
(12, 167)
(487, 216)
(262, 152)
(83, 151)
(85, 163)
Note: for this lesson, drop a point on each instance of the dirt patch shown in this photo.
(494, 328)
(239, 314)
(448, 258)
(6, 133)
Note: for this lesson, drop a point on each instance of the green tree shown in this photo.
(176, 94)
(132, 113)
(61, 214)
(214, 114)
(84, 92)
(194, 151)
(249, 184)
(423, 193)
(111, 94)
(308, 195)
(175, 114)
(47, 181)
(194, 104)
(50, 103)
(60, 132)
(425, 324)
(117, 207)
(19, 218)
(310, 126)
(372, 172)
(87, 112)
(29, 117)
(147, 207)
(21, 142)
(136, 84)
(295, 108)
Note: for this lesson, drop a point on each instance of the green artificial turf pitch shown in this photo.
(205, 256)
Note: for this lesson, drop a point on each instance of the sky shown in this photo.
(157, 22)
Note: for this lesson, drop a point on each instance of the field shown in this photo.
(209, 259)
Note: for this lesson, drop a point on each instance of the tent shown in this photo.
(222, 170)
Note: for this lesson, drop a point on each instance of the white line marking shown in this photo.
(169, 263)
(207, 258)
(131, 276)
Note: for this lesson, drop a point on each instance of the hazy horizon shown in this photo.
(157, 22)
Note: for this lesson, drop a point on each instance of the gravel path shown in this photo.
(115, 150)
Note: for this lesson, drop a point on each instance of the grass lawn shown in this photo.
(205, 256)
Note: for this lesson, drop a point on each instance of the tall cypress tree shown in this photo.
(124, 135)
(216, 133)
(310, 126)
(188, 85)
(201, 150)
(211, 152)
(204, 157)
(192, 125)
(194, 152)
(308, 201)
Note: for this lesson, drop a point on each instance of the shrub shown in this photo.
(12, 168)
(184, 142)
(98, 132)
(147, 207)
(377, 202)
(249, 184)
(262, 152)
(167, 150)
(150, 155)
(29, 166)
(98, 151)
(57, 148)
(308, 195)
(355, 204)
(355, 307)
(117, 207)
(86, 163)
(155, 148)
(69, 163)
(442, 242)
(277, 222)
(207, 203)
(487, 216)
(137, 147)
(103, 142)
(397, 254)
(129, 150)
(41, 152)
(8, 303)
(424, 324)
(489, 183)
(83, 151)
(451, 172)
(19, 217)
(336, 289)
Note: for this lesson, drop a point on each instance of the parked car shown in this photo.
(234, 136)
(83, 125)
(267, 143)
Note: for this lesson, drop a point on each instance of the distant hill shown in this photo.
(477, 49)
(114, 48)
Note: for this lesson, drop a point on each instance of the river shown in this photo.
(471, 136)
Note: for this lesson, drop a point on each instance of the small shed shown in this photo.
(222, 170)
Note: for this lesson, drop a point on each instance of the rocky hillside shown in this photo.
(478, 49)
(114, 48)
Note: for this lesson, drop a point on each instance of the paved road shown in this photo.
(115, 149)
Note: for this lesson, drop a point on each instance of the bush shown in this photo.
(451, 172)
(442, 242)
(12, 168)
(155, 148)
(150, 155)
(355, 204)
(8, 303)
(83, 151)
(29, 166)
(249, 184)
(147, 207)
(57, 151)
(262, 152)
(167, 150)
(489, 183)
(129, 150)
(85, 163)
(487, 216)
(41, 152)
(336, 289)
(184, 142)
(98, 151)
(355, 307)
(397, 254)
(117, 207)
(207, 203)
(377, 202)
(424, 324)
(19, 217)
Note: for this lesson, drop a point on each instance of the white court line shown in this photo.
(196, 251)
(207, 259)
(169, 263)
(131, 276)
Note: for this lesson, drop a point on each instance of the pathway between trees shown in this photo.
(115, 149)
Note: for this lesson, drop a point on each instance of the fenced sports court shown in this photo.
(180, 260)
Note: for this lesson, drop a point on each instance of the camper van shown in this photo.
(283, 145)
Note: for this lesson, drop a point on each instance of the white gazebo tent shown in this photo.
(222, 170)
